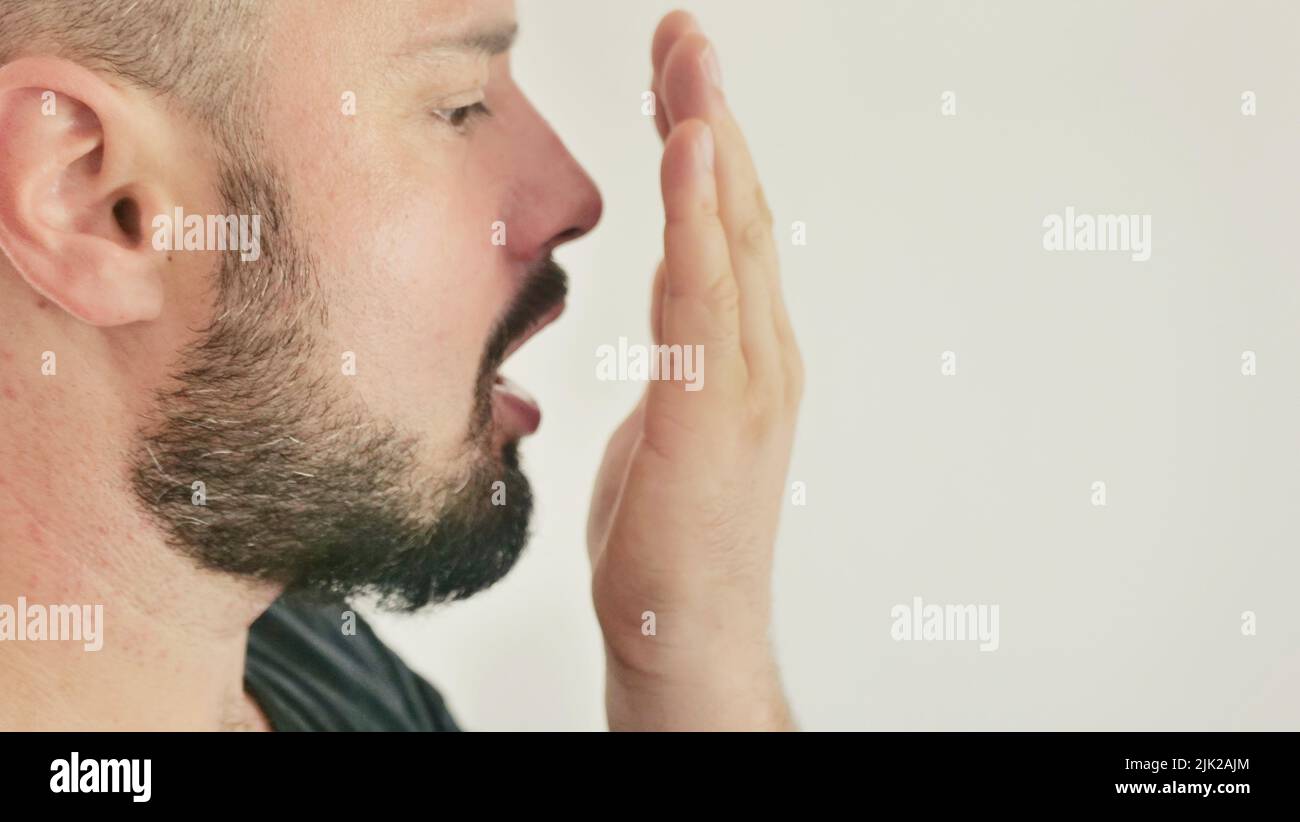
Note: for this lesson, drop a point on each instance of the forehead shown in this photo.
(350, 34)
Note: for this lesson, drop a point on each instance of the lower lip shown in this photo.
(514, 410)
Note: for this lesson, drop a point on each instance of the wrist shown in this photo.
(695, 691)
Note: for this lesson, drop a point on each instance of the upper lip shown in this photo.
(538, 324)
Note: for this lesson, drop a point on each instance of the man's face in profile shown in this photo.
(343, 409)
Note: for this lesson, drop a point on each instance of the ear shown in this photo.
(74, 156)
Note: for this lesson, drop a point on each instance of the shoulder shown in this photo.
(308, 673)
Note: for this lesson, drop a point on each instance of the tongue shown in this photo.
(515, 409)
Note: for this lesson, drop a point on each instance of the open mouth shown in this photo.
(513, 408)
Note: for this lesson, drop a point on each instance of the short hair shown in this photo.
(201, 54)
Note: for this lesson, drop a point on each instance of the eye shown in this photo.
(460, 118)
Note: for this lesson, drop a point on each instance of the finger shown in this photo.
(692, 83)
(661, 108)
(670, 29)
(673, 25)
(657, 304)
(700, 304)
(612, 475)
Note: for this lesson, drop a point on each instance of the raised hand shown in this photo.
(687, 501)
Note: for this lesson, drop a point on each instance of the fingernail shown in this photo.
(704, 149)
(711, 67)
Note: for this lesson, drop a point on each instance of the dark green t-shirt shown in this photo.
(307, 675)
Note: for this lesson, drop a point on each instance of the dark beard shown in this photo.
(303, 488)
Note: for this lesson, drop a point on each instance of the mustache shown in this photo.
(545, 287)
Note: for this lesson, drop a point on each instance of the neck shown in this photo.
(150, 643)
(172, 636)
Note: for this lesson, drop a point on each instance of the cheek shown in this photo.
(417, 306)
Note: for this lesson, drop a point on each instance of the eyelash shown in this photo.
(462, 117)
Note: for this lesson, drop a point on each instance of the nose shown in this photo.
(552, 198)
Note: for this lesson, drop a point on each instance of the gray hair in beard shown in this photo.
(303, 487)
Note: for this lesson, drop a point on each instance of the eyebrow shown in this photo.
(489, 41)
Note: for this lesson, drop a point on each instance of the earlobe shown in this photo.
(72, 192)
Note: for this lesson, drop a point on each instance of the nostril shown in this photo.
(568, 234)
